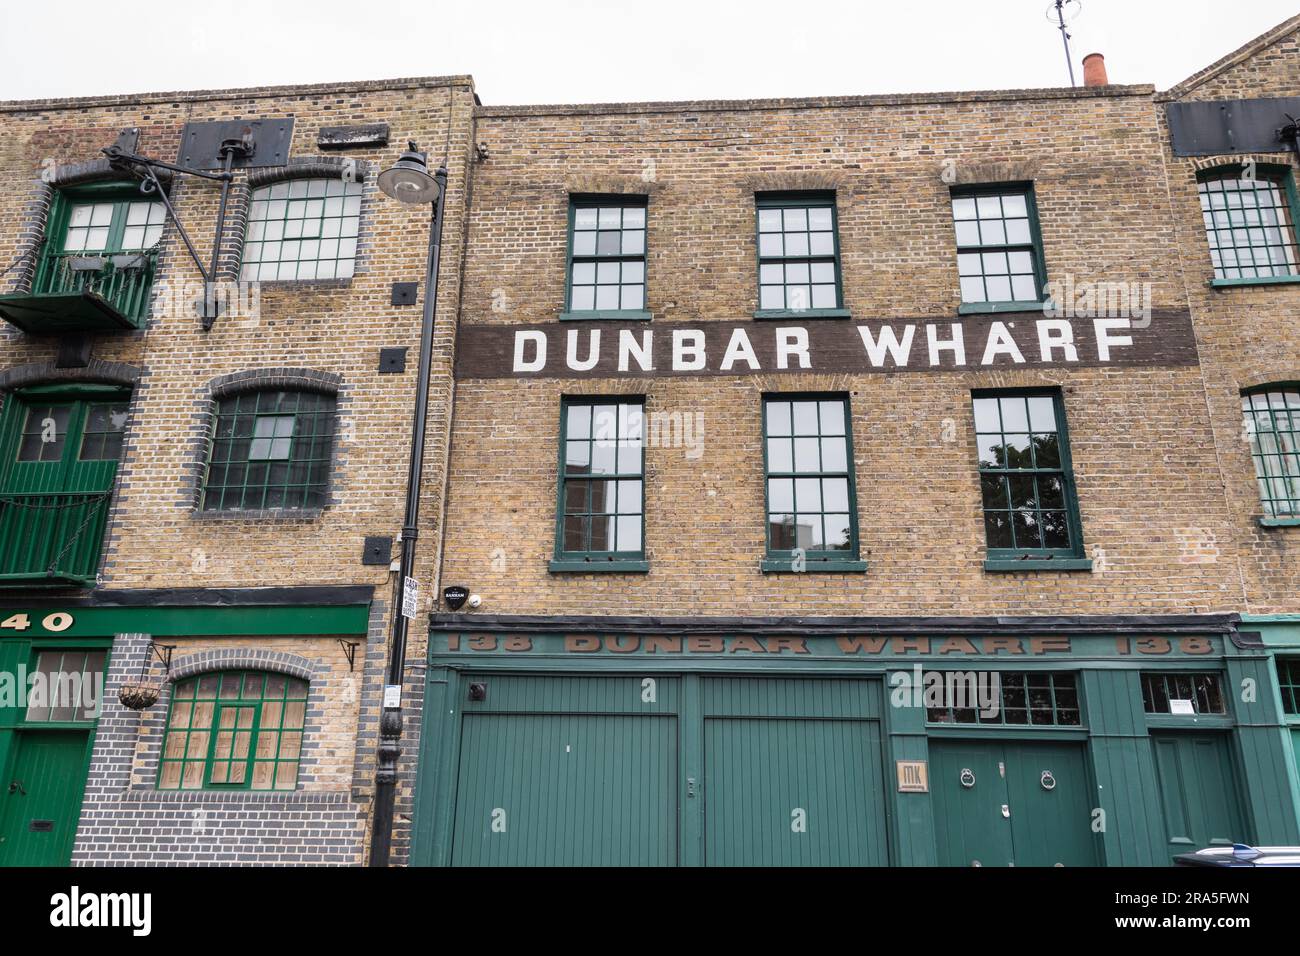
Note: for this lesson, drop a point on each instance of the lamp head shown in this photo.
(408, 180)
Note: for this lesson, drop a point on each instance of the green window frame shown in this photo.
(606, 267)
(809, 488)
(1000, 263)
(65, 700)
(600, 512)
(234, 730)
(1252, 225)
(798, 256)
(1025, 698)
(104, 220)
(1204, 689)
(1027, 489)
(1288, 680)
(270, 450)
(1271, 422)
(302, 229)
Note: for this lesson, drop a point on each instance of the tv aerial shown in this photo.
(1063, 12)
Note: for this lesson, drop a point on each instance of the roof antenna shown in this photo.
(1063, 12)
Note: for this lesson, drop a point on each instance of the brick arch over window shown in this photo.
(275, 379)
(243, 658)
(44, 373)
(241, 198)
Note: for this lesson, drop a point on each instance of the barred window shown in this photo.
(270, 450)
(1271, 418)
(238, 730)
(1182, 694)
(1039, 698)
(303, 229)
(1250, 223)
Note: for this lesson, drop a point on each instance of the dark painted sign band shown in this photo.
(603, 349)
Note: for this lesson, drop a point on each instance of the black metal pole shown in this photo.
(209, 280)
(390, 723)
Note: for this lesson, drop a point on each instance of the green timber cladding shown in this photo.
(745, 742)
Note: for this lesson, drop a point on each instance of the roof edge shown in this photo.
(1223, 64)
(236, 93)
(818, 102)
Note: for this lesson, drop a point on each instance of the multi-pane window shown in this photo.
(607, 255)
(1043, 698)
(1182, 694)
(102, 438)
(1288, 678)
(1272, 423)
(999, 253)
(1025, 477)
(811, 507)
(303, 229)
(234, 730)
(798, 253)
(45, 429)
(120, 226)
(601, 488)
(1250, 223)
(70, 687)
(270, 450)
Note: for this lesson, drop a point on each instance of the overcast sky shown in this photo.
(583, 51)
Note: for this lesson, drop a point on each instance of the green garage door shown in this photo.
(622, 770)
(1198, 791)
(792, 773)
(1011, 803)
(593, 783)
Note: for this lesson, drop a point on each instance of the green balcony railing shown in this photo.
(75, 292)
(51, 539)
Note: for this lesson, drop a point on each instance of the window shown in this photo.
(1288, 678)
(1010, 697)
(812, 519)
(270, 450)
(70, 688)
(798, 256)
(1250, 223)
(1030, 511)
(607, 258)
(1182, 694)
(234, 730)
(601, 519)
(1271, 419)
(303, 229)
(999, 250)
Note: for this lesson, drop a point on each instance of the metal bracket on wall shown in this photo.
(378, 550)
(164, 654)
(404, 293)
(350, 652)
(392, 361)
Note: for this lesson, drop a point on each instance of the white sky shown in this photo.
(583, 51)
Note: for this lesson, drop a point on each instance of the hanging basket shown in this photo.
(139, 696)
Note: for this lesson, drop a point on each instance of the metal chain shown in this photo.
(32, 506)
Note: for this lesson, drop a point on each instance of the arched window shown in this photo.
(270, 449)
(234, 730)
(1250, 222)
(302, 229)
(1272, 424)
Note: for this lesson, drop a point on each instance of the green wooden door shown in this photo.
(1011, 803)
(568, 771)
(1051, 804)
(792, 773)
(59, 451)
(969, 791)
(1198, 791)
(41, 799)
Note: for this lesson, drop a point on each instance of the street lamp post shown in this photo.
(407, 181)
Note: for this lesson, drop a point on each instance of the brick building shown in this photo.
(755, 420)
(210, 510)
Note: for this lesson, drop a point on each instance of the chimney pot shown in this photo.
(1094, 70)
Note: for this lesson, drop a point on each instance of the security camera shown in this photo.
(475, 600)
